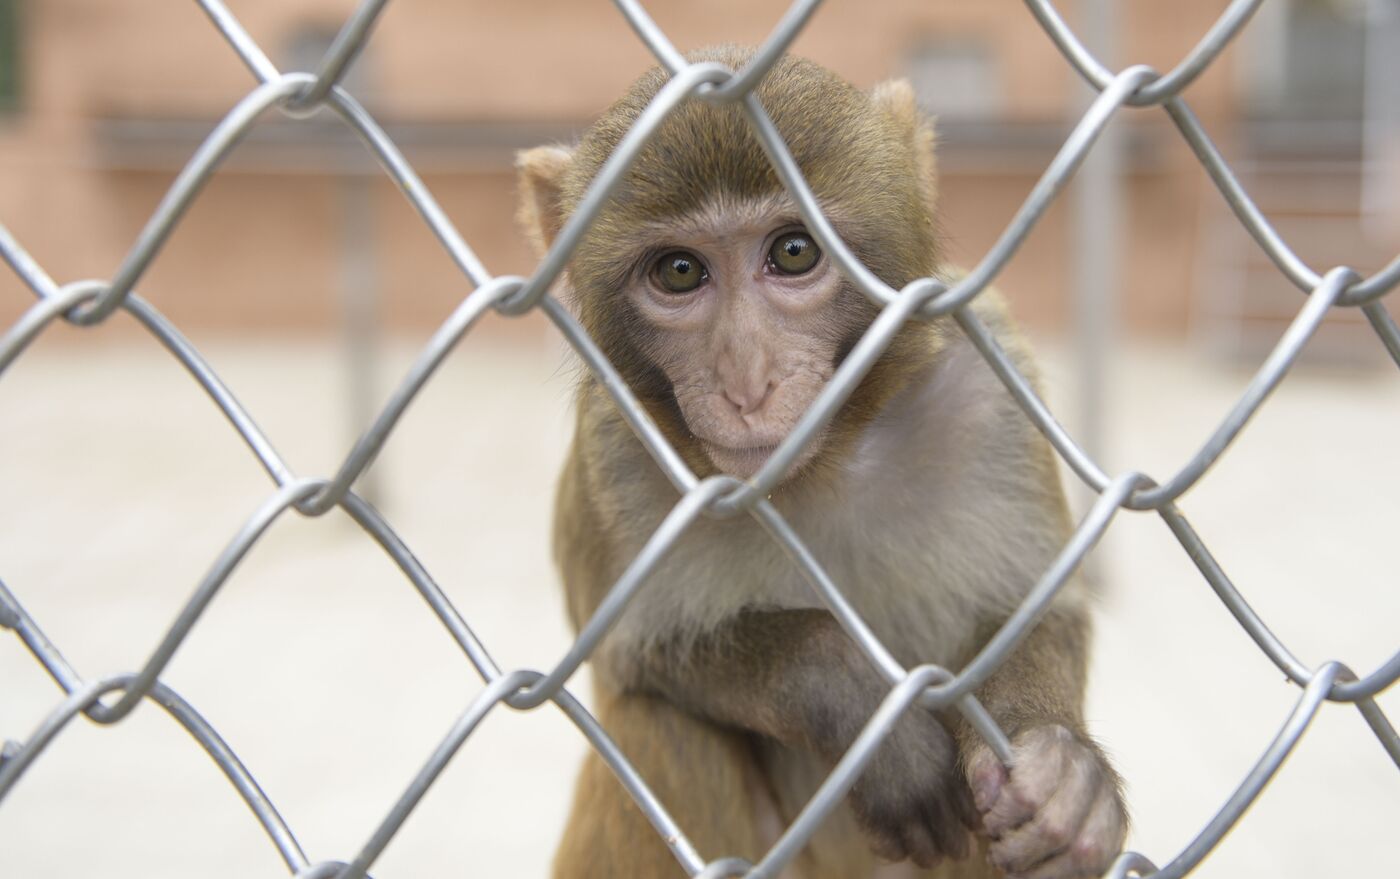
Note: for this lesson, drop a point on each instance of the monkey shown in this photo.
(930, 499)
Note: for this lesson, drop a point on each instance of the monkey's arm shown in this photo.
(795, 676)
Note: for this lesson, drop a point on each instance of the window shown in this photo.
(1308, 58)
(309, 44)
(957, 78)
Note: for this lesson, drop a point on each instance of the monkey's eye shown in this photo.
(680, 272)
(794, 253)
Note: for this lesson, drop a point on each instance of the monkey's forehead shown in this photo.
(836, 134)
(721, 214)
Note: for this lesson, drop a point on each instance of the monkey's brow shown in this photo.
(725, 213)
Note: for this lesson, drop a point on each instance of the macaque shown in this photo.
(931, 499)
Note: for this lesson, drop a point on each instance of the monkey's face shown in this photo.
(740, 313)
(698, 280)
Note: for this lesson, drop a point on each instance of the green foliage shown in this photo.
(10, 55)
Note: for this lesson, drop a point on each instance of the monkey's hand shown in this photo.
(911, 800)
(1057, 814)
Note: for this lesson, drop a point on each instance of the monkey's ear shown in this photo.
(896, 97)
(541, 176)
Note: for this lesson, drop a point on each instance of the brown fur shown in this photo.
(731, 712)
(610, 838)
(840, 137)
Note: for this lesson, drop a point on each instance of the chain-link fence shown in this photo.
(299, 94)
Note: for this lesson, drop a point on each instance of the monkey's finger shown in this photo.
(1100, 837)
(985, 778)
(1037, 774)
(923, 843)
(922, 846)
(888, 847)
(1092, 851)
(964, 807)
(1059, 867)
(945, 825)
(1057, 823)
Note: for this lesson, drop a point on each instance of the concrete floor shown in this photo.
(320, 666)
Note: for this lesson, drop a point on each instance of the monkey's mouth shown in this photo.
(741, 462)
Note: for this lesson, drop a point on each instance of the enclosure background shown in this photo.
(102, 533)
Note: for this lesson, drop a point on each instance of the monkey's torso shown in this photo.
(931, 502)
(934, 527)
(934, 524)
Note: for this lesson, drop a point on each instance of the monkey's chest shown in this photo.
(718, 569)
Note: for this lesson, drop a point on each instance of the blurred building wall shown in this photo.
(112, 98)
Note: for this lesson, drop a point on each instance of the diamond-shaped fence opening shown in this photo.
(107, 700)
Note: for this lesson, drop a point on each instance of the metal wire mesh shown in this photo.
(298, 94)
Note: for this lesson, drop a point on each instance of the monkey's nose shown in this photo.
(749, 400)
